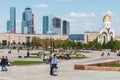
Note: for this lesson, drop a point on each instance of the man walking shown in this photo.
(53, 64)
(3, 64)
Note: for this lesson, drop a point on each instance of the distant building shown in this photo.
(106, 32)
(65, 27)
(13, 19)
(90, 36)
(55, 25)
(27, 21)
(77, 37)
(22, 38)
(104, 35)
(8, 26)
(33, 23)
(46, 24)
(24, 25)
(11, 24)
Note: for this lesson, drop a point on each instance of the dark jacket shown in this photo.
(3, 61)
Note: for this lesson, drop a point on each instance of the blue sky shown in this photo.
(83, 15)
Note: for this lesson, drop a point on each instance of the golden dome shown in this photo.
(106, 18)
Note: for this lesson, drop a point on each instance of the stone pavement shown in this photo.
(66, 71)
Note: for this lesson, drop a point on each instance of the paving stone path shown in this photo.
(66, 71)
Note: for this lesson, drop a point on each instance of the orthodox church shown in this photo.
(106, 33)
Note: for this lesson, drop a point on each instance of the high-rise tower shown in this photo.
(8, 26)
(33, 22)
(27, 21)
(11, 24)
(13, 19)
(52, 25)
(45, 24)
(57, 27)
(65, 27)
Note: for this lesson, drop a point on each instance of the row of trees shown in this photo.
(37, 42)
(113, 44)
(56, 43)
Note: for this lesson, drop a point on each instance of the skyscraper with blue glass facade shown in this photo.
(8, 26)
(27, 21)
(13, 19)
(51, 25)
(55, 25)
(65, 27)
(45, 24)
(11, 24)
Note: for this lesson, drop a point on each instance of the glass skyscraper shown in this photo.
(12, 20)
(8, 26)
(56, 26)
(45, 24)
(11, 24)
(27, 21)
(51, 25)
(65, 27)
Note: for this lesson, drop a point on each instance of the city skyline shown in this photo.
(83, 15)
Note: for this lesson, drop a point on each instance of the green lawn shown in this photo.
(77, 57)
(115, 65)
(20, 62)
(34, 57)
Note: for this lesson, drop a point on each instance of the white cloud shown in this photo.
(92, 14)
(79, 25)
(109, 13)
(41, 6)
(74, 14)
(89, 24)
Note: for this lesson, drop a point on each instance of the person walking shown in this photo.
(3, 64)
(6, 60)
(102, 54)
(108, 53)
(53, 64)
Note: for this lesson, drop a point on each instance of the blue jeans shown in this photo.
(4, 68)
(51, 68)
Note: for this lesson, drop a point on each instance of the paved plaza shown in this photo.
(66, 69)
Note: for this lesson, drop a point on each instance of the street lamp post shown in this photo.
(46, 45)
(51, 45)
(28, 45)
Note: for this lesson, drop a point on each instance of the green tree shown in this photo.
(110, 44)
(23, 44)
(36, 42)
(8, 43)
(0, 44)
(116, 45)
(79, 45)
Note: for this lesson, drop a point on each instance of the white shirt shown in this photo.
(54, 60)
